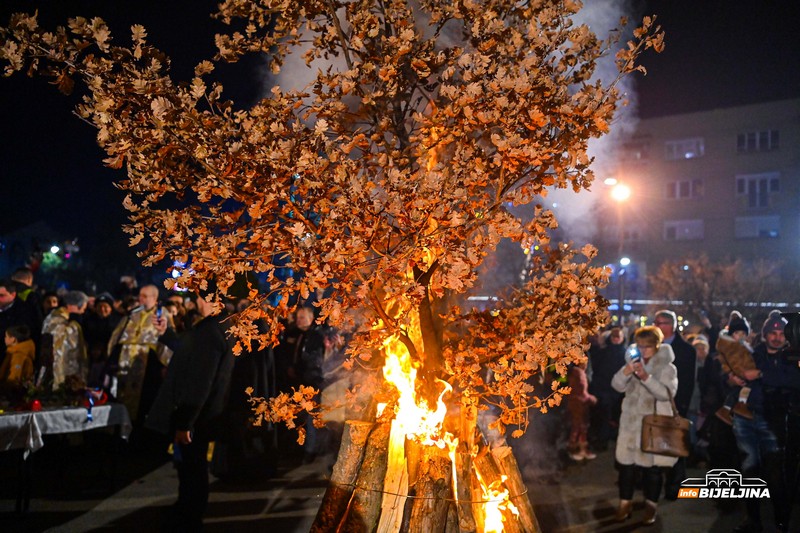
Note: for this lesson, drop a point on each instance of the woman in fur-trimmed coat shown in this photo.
(650, 381)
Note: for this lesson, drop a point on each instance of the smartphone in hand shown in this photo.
(632, 354)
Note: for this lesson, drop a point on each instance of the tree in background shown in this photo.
(698, 286)
(382, 184)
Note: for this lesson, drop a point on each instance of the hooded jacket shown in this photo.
(640, 397)
(18, 364)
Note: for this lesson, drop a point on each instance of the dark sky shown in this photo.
(719, 53)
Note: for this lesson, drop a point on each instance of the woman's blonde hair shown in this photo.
(650, 335)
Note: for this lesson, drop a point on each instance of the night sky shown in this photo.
(719, 53)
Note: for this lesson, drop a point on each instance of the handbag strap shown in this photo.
(671, 401)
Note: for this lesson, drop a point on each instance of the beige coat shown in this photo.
(638, 402)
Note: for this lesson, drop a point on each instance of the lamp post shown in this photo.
(623, 269)
(620, 194)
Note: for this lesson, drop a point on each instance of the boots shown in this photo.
(649, 513)
(740, 409)
(624, 511)
(724, 414)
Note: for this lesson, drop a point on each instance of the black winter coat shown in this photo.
(686, 363)
(195, 391)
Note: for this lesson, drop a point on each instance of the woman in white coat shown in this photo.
(651, 380)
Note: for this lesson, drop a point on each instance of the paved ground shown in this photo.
(71, 493)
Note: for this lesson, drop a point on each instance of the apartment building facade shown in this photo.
(724, 182)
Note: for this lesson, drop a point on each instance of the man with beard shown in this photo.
(773, 400)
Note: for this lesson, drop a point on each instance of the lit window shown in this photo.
(684, 230)
(768, 227)
(684, 149)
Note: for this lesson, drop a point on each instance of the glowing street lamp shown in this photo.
(620, 192)
(624, 262)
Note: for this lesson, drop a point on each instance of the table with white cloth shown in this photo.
(24, 431)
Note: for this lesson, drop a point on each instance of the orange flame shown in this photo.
(416, 418)
(496, 501)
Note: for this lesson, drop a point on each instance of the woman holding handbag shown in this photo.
(649, 378)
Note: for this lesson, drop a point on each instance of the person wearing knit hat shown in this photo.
(774, 322)
(737, 322)
(773, 400)
(700, 339)
(735, 355)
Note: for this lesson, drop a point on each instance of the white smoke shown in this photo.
(576, 212)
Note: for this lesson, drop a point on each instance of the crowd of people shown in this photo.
(739, 386)
(169, 360)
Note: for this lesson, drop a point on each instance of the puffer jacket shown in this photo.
(638, 402)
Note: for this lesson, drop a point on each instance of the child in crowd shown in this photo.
(17, 367)
(578, 403)
(735, 355)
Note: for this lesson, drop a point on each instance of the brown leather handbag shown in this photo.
(666, 435)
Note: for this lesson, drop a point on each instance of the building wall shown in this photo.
(653, 163)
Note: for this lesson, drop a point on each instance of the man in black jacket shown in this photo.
(190, 406)
(686, 363)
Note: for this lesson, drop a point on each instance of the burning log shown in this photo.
(452, 520)
(429, 511)
(395, 486)
(516, 487)
(464, 492)
(489, 480)
(345, 471)
(424, 472)
(365, 506)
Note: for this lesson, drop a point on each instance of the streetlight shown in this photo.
(623, 264)
(620, 193)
